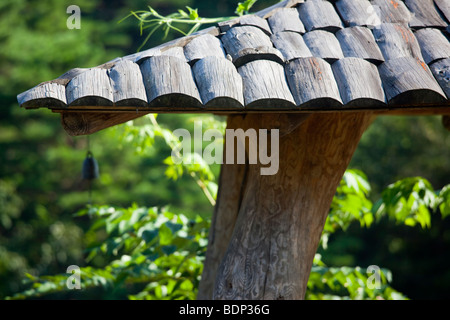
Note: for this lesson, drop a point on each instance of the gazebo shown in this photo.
(318, 71)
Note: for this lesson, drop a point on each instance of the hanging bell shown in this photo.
(90, 167)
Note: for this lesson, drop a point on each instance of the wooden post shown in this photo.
(280, 218)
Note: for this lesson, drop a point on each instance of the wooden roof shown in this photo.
(294, 56)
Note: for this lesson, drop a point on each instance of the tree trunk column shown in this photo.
(281, 217)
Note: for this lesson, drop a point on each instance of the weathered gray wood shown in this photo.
(313, 84)
(47, 95)
(69, 75)
(219, 83)
(291, 45)
(137, 57)
(358, 13)
(169, 83)
(265, 85)
(397, 41)
(255, 21)
(408, 81)
(444, 6)
(247, 20)
(425, 14)
(202, 47)
(268, 12)
(441, 71)
(127, 84)
(319, 15)
(249, 43)
(359, 42)
(433, 43)
(90, 88)
(286, 19)
(359, 83)
(392, 11)
(177, 52)
(324, 44)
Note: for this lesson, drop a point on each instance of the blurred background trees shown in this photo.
(40, 178)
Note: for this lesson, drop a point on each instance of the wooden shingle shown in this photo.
(286, 19)
(408, 81)
(291, 45)
(169, 83)
(397, 41)
(358, 13)
(324, 44)
(359, 42)
(219, 83)
(424, 14)
(265, 86)
(434, 44)
(319, 15)
(313, 84)
(359, 83)
(392, 11)
(248, 43)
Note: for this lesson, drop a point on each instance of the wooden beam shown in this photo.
(232, 185)
(84, 123)
(403, 110)
(281, 217)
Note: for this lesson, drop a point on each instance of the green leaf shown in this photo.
(244, 7)
(165, 235)
(193, 13)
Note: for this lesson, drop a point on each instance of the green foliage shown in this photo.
(346, 283)
(244, 7)
(411, 201)
(177, 21)
(154, 254)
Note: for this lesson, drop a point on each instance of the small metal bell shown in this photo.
(90, 167)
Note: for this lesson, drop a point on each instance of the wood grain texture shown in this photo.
(177, 52)
(324, 44)
(444, 7)
(202, 47)
(265, 86)
(286, 19)
(441, 71)
(392, 11)
(359, 42)
(291, 45)
(358, 13)
(127, 84)
(169, 83)
(359, 83)
(434, 44)
(408, 81)
(424, 14)
(319, 15)
(255, 21)
(231, 184)
(219, 83)
(246, 20)
(312, 83)
(82, 123)
(90, 88)
(281, 218)
(397, 41)
(48, 95)
(268, 12)
(248, 43)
